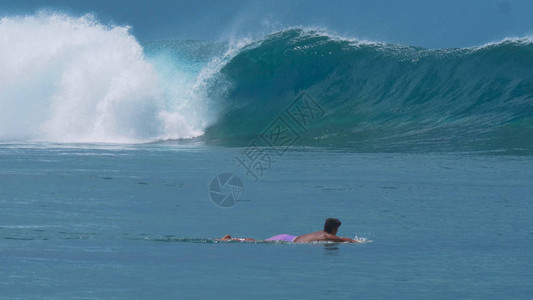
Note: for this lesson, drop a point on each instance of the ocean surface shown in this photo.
(122, 162)
(86, 222)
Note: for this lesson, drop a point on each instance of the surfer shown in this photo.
(328, 234)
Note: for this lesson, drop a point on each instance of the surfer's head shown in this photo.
(332, 225)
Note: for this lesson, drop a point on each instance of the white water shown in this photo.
(66, 79)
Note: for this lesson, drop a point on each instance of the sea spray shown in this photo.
(67, 79)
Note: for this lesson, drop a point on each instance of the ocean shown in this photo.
(122, 162)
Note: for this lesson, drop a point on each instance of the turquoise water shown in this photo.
(119, 221)
(380, 97)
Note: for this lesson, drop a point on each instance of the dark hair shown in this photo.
(331, 225)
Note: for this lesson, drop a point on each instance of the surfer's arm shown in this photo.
(228, 237)
(341, 239)
(349, 240)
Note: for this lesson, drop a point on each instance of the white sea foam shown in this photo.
(73, 79)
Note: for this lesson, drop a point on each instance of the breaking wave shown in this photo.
(69, 80)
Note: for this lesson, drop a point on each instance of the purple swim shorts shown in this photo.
(282, 237)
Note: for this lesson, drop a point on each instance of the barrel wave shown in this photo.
(73, 79)
(382, 97)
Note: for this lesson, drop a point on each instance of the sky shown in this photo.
(425, 23)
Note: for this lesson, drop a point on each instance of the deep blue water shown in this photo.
(117, 221)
